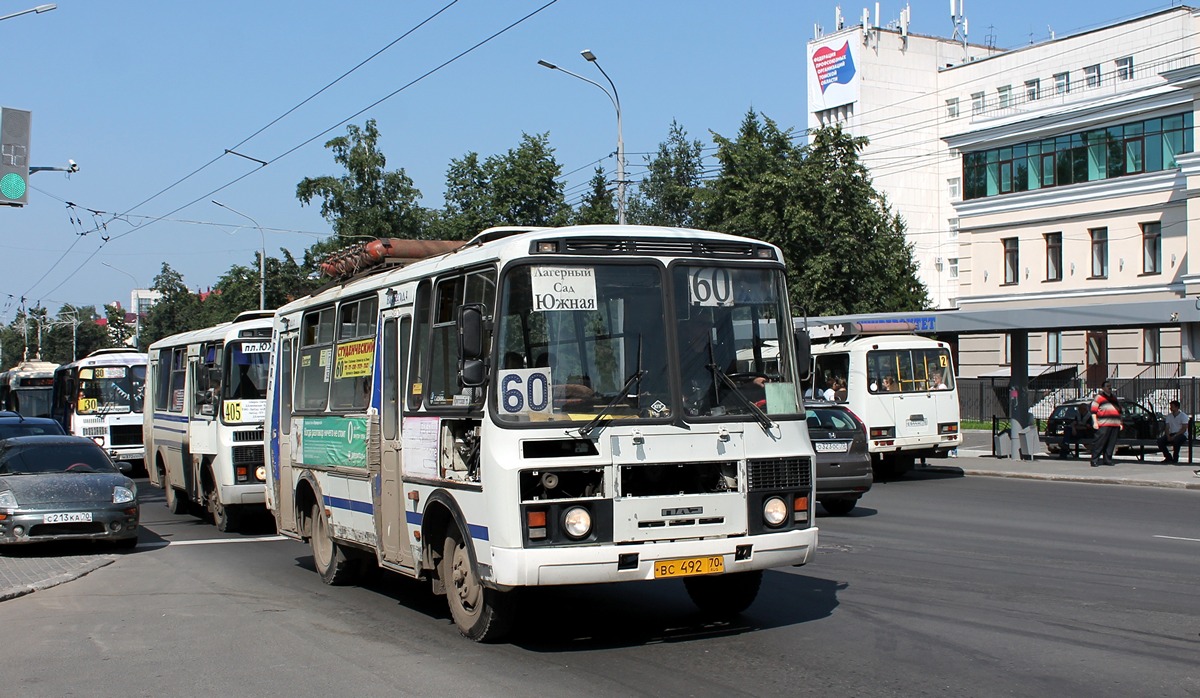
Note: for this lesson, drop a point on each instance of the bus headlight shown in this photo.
(260, 473)
(577, 522)
(775, 511)
(99, 440)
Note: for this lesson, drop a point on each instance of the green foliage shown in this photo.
(668, 194)
(178, 310)
(119, 332)
(599, 205)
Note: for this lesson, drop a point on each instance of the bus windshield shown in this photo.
(110, 389)
(245, 369)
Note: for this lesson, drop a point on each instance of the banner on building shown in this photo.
(833, 73)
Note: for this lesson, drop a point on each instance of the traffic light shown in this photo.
(14, 156)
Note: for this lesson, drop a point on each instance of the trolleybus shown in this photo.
(204, 426)
(27, 388)
(100, 397)
(544, 407)
(901, 386)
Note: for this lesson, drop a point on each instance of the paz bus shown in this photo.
(204, 427)
(26, 388)
(902, 388)
(100, 397)
(524, 410)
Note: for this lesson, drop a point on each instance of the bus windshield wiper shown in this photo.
(761, 416)
(621, 394)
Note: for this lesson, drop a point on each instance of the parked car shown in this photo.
(843, 462)
(1140, 422)
(14, 424)
(55, 488)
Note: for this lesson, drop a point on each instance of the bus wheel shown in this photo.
(481, 613)
(224, 517)
(332, 563)
(724, 594)
(175, 504)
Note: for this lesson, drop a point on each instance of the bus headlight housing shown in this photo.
(775, 511)
(577, 522)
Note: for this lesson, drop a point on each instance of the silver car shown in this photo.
(843, 463)
(56, 488)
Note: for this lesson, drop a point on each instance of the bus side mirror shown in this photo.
(471, 369)
(803, 352)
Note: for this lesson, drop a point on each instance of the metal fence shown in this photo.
(982, 399)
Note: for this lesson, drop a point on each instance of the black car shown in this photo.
(843, 463)
(1140, 422)
(14, 424)
(56, 488)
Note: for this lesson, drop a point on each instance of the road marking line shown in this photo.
(209, 541)
(1194, 540)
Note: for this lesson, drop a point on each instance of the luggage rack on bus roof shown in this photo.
(383, 253)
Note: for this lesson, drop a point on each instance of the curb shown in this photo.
(62, 578)
(1063, 478)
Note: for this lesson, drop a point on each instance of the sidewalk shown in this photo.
(25, 570)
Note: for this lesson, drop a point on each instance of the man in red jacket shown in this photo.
(1106, 420)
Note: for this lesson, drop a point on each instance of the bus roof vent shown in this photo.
(254, 315)
(384, 251)
(668, 247)
(499, 233)
(112, 350)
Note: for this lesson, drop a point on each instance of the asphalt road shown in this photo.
(936, 586)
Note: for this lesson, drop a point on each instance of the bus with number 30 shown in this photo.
(516, 412)
(204, 425)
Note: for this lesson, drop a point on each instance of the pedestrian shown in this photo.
(1175, 432)
(1106, 420)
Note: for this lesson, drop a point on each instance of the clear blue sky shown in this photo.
(142, 93)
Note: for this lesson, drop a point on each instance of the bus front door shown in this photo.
(390, 514)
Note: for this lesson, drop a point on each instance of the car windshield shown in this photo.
(55, 458)
(109, 389)
(8, 431)
(828, 419)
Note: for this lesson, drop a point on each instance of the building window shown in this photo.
(953, 265)
(952, 225)
(952, 108)
(1099, 252)
(1032, 90)
(1054, 257)
(1012, 262)
(1007, 349)
(1062, 83)
(1151, 346)
(954, 188)
(1152, 248)
(977, 103)
(1150, 145)
(1005, 96)
(1091, 75)
(1125, 68)
(1054, 347)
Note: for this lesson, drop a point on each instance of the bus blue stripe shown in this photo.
(415, 518)
(349, 504)
(170, 418)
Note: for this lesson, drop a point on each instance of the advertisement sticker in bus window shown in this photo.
(420, 438)
(563, 288)
(525, 391)
(355, 359)
(710, 286)
(324, 361)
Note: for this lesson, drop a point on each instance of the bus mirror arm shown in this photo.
(803, 352)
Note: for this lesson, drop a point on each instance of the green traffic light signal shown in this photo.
(12, 186)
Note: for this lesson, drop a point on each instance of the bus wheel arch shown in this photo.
(303, 500)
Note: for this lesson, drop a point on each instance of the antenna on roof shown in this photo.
(960, 26)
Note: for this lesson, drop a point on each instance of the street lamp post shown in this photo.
(137, 311)
(262, 257)
(39, 9)
(616, 101)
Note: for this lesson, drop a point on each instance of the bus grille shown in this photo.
(779, 474)
(248, 455)
(248, 435)
(126, 434)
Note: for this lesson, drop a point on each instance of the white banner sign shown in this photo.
(563, 288)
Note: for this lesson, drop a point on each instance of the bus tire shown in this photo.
(331, 561)
(724, 594)
(227, 519)
(175, 504)
(481, 613)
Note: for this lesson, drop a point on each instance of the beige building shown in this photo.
(1058, 175)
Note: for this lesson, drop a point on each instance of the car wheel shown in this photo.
(335, 567)
(724, 594)
(839, 507)
(482, 614)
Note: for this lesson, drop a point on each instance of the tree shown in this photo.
(178, 310)
(74, 333)
(119, 332)
(845, 249)
(368, 201)
(667, 195)
(598, 205)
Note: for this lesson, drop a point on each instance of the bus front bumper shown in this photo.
(254, 493)
(513, 567)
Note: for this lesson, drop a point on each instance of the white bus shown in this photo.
(901, 386)
(204, 430)
(100, 397)
(27, 388)
(523, 411)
